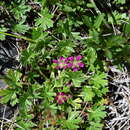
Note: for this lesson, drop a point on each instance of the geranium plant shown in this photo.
(66, 48)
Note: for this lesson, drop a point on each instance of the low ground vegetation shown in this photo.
(61, 75)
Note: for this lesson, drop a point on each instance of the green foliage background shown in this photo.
(50, 29)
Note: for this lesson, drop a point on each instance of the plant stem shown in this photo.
(18, 36)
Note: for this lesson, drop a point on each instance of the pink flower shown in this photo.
(70, 65)
(61, 63)
(71, 58)
(65, 67)
(79, 57)
(62, 58)
(61, 97)
(73, 62)
(81, 64)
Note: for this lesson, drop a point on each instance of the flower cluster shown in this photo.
(73, 62)
(62, 97)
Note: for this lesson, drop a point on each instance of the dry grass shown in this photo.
(119, 108)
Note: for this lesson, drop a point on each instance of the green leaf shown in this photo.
(99, 20)
(25, 103)
(95, 126)
(68, 9)
(98, 80)
(65, 47)
(94, 35)
(116, 41)
(72, 122)
(28, 56)
(21, 28)
(26, 124)
(90, 55)
(76, 103)
(97, 113)
(13, 79)
(87, 93)
(44, 21)
(87, 21)
(127, 29)
(120, 1)
(38, 34)
(77, 78)
(66, 89)
(20, 11)
(6, 95)
(108, 54)
(14, 99)
(2, 36)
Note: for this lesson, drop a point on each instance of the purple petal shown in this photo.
(55, 61)
(60, 101)
(61, 93)
(79, 57)
(75, 69)
(64, 99)
(81, 64)
(65, 67)
(69, 64)
(56, 98)
(66, 60)
(71, 58)
(62, 58)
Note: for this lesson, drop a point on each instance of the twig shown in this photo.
(83, 109)
(9, 121)
(3, 117)
(90, 37)
(113, 28)
(53, 12)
